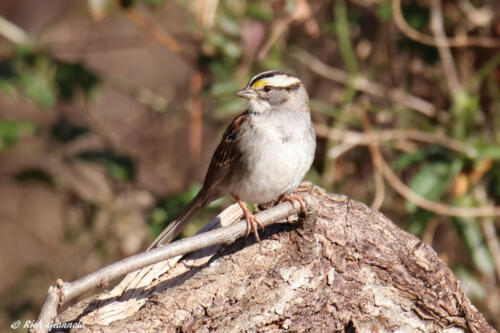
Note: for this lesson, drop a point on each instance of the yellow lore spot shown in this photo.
(259, 84)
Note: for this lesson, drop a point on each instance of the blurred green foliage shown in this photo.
(44, 79)
(12, 130)
(167, 209)
(64, 130)
(118, 166)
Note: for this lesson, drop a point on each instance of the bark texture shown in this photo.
(345, 268)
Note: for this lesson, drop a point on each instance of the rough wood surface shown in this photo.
(345, 268)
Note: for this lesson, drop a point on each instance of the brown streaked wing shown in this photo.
(226, 153)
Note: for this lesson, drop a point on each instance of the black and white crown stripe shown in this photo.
(277, 79)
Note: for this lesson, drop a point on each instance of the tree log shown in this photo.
(344, 268)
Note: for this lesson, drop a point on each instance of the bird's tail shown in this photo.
(175, 227)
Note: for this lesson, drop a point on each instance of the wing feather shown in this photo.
(226, 154)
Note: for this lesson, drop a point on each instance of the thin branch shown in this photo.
(49, 311)
(432, 206)
(205, 12)
(479, 17)
(12, 32)
(449, 68)
(301, 13)
(158, 34)
(352, 138)
(340, 149)
(490, 234)
(373, 147)
(417, 36)
(360, 83)
(489, 231)
(66, 291)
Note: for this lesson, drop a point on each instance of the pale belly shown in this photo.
(277, 166)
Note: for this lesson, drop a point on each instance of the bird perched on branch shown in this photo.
(263, 155)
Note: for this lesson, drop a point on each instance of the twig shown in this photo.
(352, 138)
(12, 32)
(205, 12)
(481, 17)
(158, 34)
(66, 291)
(489, 231)
(432, 206)
(490, 234)
(373, 147)
(302, 13)
(360, 83)
(430, 230)
(417, 36)
(443, 48)
(340, 149)
(49, 310)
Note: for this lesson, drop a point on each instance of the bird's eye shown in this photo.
(267, 88)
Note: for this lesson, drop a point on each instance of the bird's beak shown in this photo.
(247, 93)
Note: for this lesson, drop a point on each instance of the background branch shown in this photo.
(362, 84)
(417, 36)
(357, 138)
(443, 47)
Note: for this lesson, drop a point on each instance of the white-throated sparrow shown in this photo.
(264, 153)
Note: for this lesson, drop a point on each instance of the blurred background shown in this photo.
(110, 111)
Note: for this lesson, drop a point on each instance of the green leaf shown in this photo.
(35, 174)
(259, 11)
(228, 87)
(472, 237)
(64, 130)
(73, 78)
(464, 110)
(168, 209)
(38, 87)
(384, 11)
(11, 131)
(418, 221)
(416, 16)
(120, 167)
(469, 283)
(35, 76)
(229, 25)
(488, 151)
(432, 180)
(493, 186)
(154, 3)
(430, 153)
(8, 88)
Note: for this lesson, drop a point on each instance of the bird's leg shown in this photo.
(291, 198)
(252, 222)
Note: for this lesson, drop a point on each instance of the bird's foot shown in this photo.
(292, 198)
(252, 222)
